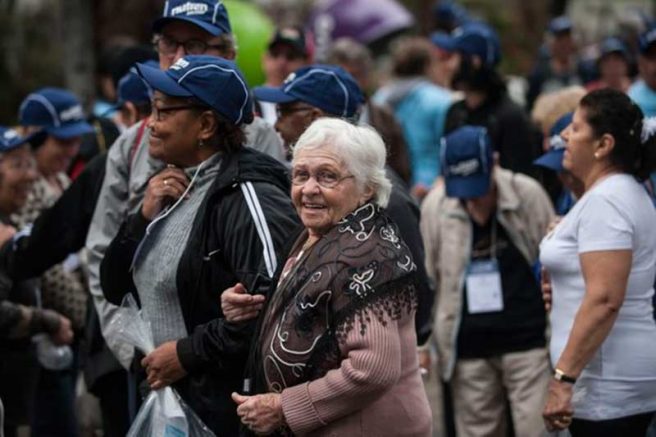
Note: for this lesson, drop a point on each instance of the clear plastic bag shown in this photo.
(164, 413)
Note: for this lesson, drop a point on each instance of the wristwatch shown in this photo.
(559, 375)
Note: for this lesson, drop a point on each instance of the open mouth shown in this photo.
(313, 206)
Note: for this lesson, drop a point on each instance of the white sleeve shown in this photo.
(603, 225)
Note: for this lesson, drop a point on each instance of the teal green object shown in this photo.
(252, 30)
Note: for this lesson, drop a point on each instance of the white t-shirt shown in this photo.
(616, 214)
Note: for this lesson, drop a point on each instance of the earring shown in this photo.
(200, 144)
(596, 155)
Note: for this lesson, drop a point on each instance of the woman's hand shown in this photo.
(170, 183)
(64, 334)
(260, 413)
(545, 286)
(238, 306)
(163, 366)
(558, 410)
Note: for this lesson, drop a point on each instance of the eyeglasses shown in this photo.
(325, 178)
(168, 46)
(19, 164)
(159, 113)
(282, 111)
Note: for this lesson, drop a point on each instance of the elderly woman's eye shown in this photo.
(327, 176)
(300, 176)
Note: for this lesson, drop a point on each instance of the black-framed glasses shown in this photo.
(166, 45)
(325, 178)
(159, 113)
(282, 111)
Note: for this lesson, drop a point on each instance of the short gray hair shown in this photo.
(361, 148)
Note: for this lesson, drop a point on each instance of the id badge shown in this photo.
(484, 293)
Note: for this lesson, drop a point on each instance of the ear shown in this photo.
(132, 113)
(367, 194)
(605, 146)
(208, 125)
(315, 114)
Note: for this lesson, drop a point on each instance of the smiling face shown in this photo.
(320, 208)
(174, 133)
(55, 154)
(17, 174)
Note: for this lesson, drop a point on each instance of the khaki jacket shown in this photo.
(523, 209)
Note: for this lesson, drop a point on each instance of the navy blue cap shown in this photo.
(443, 40)
(209, 15)
(132, 88)
(478, 39)
(466, 161)
(55, 110)
(553, 158)
(613, 45)
(212, 80)
(327, 87)
(10, 139)
(647, 38)
(560, 24)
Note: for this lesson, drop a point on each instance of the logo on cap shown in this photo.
(190, 8)
(465, 168)
(72, 113)
(180, 64)
(290, 78)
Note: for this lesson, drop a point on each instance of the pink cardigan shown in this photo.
(377, 390)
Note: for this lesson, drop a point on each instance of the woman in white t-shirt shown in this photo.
(602, 261)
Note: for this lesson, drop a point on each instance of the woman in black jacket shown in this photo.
(216, 215)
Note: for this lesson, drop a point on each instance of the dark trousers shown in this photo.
(624, 426)
(112, 391)
(55, 404)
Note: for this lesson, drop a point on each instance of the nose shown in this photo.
(311, 186)
(179, 53)
(565, 133)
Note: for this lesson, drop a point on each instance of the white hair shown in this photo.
(360, 147)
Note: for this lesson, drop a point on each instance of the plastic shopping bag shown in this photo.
(164, 413)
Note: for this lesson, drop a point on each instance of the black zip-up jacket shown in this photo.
(237, 235)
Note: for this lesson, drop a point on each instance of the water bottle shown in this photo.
(51, 356)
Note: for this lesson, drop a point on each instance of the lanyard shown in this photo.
(493, 238)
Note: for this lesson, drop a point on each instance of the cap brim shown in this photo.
(70, 130)
(272, 94)
(159, 24)
(468, 187)
(444, 41)
(160, 81)
(552, 160)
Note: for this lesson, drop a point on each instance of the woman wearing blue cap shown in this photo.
(215, 216)
(20, 318)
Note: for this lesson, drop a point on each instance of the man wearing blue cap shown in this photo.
(482, 228)
(643, 91)
(559, 66)
(133, 98)
(486, 102)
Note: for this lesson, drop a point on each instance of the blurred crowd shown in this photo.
(415, 247)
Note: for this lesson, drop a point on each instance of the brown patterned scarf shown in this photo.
(358, 268)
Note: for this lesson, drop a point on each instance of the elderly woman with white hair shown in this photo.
(336, 353)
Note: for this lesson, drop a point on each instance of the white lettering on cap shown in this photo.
(72, 113)
(290, 78)
(10, 134)
(190, 8)
(465, 168)
(180, 64)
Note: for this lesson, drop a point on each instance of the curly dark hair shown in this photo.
(612, 112)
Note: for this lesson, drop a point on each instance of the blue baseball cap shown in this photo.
(647, 38)
(478, 39)
(55, 110)
(209, 15)
(444, 41)
(327, 87)
(560, 25)
(553, 158)
(10, 139)
(212, 80)
(466, 161)
(450, 12)
(132, 88)
(613, 45)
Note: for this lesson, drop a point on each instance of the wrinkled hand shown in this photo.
(261, 413)
(545, 286)
(237, 305)
(63, 335)
(170, 183)
(424, 357)
(163, 366)
(6, 233)
(558, 410)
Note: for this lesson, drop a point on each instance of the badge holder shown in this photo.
(484, 291)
